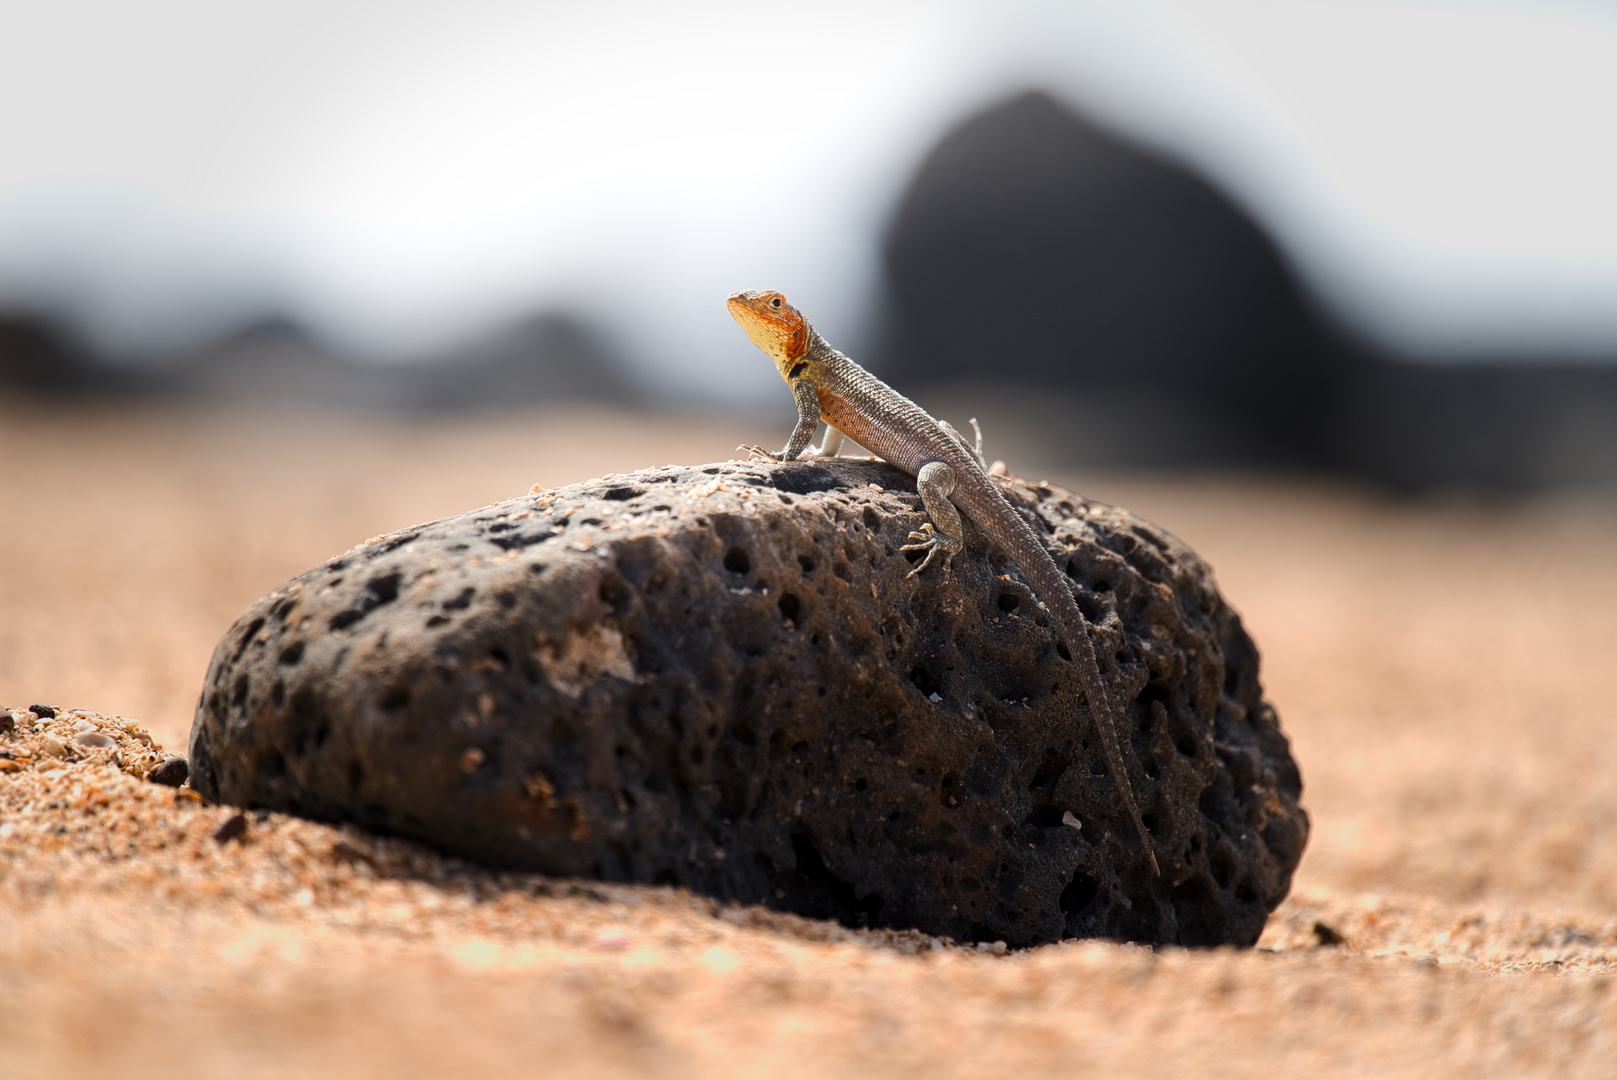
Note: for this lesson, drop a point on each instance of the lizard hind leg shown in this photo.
(975, 451)
(830, 446)
(944, 532)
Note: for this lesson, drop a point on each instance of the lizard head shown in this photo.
(774, 326)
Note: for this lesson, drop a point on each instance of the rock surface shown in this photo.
(722, 678)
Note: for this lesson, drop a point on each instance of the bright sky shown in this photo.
(400, 174)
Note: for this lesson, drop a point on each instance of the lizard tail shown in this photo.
(1053, 589)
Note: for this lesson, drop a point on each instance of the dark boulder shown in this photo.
(1036, 252)
(722, 678)
(1035, 248)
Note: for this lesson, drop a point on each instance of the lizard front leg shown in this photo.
(808, 418)
(943, 533)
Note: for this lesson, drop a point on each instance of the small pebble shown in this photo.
(44, 712)
(234, 828)
(172, 772)
(1328, 935)
(7, 722)
(96, 739)
(343, 851)
(50, 747)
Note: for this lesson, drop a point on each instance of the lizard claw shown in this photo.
(931, 541)
(756, 452)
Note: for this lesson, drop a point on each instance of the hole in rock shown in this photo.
(1051, 766)
(247, 637)
(1079, 893)
(385, 588)
(1044, 815)
(736, 561)
(924, 682)
(828, 895)
(614, 593)
(1222, 868)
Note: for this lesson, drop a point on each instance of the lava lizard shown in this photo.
(949, 475)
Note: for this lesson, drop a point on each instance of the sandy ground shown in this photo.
(1441, 666)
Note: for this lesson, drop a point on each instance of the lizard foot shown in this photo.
(755, 453)
(931, 541)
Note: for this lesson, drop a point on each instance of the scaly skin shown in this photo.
(949, 475)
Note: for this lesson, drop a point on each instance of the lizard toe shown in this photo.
(921, 539)
(933, 544)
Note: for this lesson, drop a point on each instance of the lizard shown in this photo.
(949, 476)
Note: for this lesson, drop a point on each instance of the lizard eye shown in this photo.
(775, 303)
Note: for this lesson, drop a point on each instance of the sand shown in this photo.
(1440, 666)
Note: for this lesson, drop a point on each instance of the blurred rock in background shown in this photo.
(36, 359)
(1131, 236)
(1035, 249)
(275, 362)
(1037, 255)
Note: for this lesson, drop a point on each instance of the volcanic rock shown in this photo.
(722, 678)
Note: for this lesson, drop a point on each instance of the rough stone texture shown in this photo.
(722, 678)
(173, 772)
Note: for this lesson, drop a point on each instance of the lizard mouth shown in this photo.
(780, 332)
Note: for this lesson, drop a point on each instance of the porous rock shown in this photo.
(722, 677)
